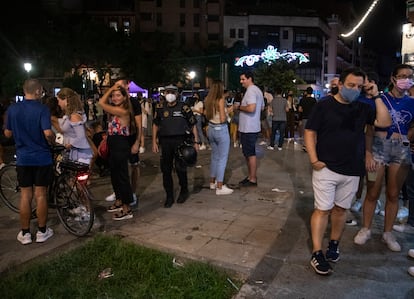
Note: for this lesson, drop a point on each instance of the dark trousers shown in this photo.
(290, 124)
(119, 152)
(169, 158)
(278, 126)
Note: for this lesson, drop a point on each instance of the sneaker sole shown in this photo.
(332, 260)
(124, 218)
(392, 249)
(319, 271)
(24, 242)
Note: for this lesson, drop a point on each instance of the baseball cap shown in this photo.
(171, 87)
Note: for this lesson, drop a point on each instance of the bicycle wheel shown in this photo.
(74, 205)
(10, 190)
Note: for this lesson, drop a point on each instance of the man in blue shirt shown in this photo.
(29, 123)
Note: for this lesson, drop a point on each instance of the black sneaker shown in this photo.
(332, 253)
(319, 264)
(244, 181)
(168, 203)
(249, 184)
(183, 196)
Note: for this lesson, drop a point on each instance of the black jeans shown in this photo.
(278, 125)
(169, 159)
(119, 152)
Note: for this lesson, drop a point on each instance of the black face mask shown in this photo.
(334, 90)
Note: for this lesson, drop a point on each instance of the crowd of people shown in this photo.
(354, 136)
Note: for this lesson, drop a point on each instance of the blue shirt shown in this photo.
(27, 120)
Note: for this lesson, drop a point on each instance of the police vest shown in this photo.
(173, 120)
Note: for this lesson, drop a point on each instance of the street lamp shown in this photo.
(27, 67)
(192, 75)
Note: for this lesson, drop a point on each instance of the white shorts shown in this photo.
(331, 188)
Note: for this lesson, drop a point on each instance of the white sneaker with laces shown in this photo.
(262, 143)
(213, 186)
(389, 239)
(279, 148)
(202, 147)
(351, 222)
(141, 150)
(235, 144)
(24, 239)
(224, 190)
(411, 253)
(270, 148)
(362, 236)
(111, 197)
(42, 237)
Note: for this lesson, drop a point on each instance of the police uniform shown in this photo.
(174, 127)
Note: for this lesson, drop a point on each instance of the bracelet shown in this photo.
(315, 162)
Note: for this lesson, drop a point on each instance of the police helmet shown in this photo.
(187, 154)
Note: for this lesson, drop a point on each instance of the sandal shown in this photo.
(123, 215)
(114, 208)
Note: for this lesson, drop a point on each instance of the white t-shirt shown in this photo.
(250, 121)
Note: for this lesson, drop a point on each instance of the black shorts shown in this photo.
(27, 176)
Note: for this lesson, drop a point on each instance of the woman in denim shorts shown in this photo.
(389, 151)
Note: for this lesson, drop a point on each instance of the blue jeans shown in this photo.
(281, 126)
(219, 138)
(199, 127)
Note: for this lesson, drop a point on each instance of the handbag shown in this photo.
(103, 149)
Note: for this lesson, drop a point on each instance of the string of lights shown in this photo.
(373, 4)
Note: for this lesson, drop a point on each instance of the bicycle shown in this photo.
(67, 192)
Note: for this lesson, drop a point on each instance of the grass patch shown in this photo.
(138, 272)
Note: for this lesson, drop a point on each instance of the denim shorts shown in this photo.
(386, 151)
(248, 142)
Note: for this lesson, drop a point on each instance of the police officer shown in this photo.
(173, 123)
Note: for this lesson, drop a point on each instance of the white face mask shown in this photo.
(170, 97)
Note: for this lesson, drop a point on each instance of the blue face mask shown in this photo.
(349, 94)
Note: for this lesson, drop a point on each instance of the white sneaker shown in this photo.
(270, 148)
(411, 253)
(411, 271)
(235, 144)
(389, 239)
(362, 236)
(224, 190)
(202, 147)
(213, 186)
(24, 239)
(279, 148)
(2, 165)
(262, 143)
(111, 197)
(403, 228)
(356, 207)
(42, 237)
(141, 150)
(351, 222)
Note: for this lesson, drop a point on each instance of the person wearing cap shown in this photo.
(173, 123)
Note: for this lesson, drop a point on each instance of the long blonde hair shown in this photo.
(215, 93)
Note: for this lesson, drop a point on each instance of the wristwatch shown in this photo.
(376, 97)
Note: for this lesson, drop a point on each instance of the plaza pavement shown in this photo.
(259, 234)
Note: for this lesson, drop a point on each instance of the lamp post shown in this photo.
(192, 75)
(28, 67)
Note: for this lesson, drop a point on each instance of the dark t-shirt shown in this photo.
(307, 104)
(340, 132)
